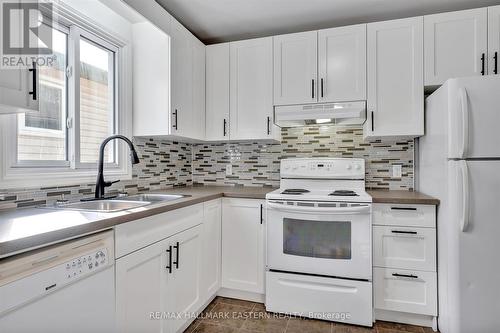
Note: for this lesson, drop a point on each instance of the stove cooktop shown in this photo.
(343, 195)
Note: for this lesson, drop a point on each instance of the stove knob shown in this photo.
(357, 167)
(349, 167)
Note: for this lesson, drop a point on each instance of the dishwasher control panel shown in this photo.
(81, 266)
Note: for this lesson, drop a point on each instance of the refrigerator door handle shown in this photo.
(465, 121)
(465, 196)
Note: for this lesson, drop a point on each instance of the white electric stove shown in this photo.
(319, 250)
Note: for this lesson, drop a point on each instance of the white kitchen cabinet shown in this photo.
(184, 282)
(198, 82)
(342, 64)
(16, 91)
(164, 277)
(493, 40)
(455, 45)
(181, 80)
(211, 273)
(404, 260)
(395, 99)
(251, 89)
(405, 291)
(404, 247)
(141, 288)
(169, 82)
(295, 68)
(243, 244)
(151, 112)
(217, 92)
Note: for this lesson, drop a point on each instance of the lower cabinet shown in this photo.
(243, 245)
(211, 273)
(160, 286)
(141, 289)
(404, 260)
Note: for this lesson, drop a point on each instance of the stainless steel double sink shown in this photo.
(119, 203)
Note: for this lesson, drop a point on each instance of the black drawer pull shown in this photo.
(175, 123)
(261, 215)
(495, 70)
(483, 65)
(224, 132)
(404, 232)
(403, 208)
(176, 262)
(373, 122)
(169, 251)
(33, 93)
(312, 88)
(268, 125)
(411, 276)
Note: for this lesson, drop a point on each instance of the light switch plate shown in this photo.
(397, 171)
(229, 170)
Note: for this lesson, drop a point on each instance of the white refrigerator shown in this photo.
(459, 163)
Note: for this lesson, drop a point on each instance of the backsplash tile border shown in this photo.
(166, 163)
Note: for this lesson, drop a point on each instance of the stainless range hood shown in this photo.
(345, 113)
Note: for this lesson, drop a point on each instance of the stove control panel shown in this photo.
(328, 168)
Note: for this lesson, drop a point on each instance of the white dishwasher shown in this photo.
(63, 288)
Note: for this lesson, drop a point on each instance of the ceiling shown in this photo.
(215, 21)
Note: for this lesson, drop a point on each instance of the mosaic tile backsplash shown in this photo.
(257, 164)
(167, 164)
(163, 164)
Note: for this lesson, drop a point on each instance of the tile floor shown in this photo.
(250, 317)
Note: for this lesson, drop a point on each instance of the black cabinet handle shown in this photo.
(404, 232)
(373, 122)
(176, 262)
(322, 88)
(312, 88)
(403, 208)
(169, 251)
(224, 128)
(495, 70)
(268, 125)
(33, 72)
(261, 216)
(411, 276)
(175, 122)
(483, 64)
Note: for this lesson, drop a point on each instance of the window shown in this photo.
(84, 97)
(43, 136)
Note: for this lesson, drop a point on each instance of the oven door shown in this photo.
(320, 238)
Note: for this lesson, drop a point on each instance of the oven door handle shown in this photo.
(365, 209)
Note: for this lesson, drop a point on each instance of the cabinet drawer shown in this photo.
(404, 215)
(405, 291)
(404, 247)
(137, 234)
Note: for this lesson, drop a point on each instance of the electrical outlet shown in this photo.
(229, 170)
(397, 170)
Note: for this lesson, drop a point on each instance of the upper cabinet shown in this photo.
(395, 103)
(251, 89)
(188, 74)
(217, 98)
(320, 66)
(151, 86)
(342, 64)
(295, 68)
(493, 39)
(455, 45)
(19, 90)
(169, 82)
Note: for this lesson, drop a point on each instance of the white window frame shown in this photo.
(56, 173)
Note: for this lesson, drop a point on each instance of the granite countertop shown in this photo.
(29, 228)
(402, 197)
